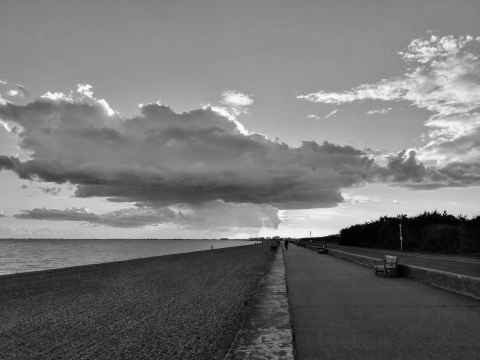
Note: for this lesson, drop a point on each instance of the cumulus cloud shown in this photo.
(232, 105)
(443, 77)
(196, 168)
(381, 111)
(160, 158)
(236, 98)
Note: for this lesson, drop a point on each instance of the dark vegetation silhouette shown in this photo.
(431, 232)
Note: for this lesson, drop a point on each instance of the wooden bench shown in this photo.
(320, 248)
(389, 267)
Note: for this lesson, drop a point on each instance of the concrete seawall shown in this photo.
(267, 334)
(183, 306)
(461, 284)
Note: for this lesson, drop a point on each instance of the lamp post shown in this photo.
(401, 234)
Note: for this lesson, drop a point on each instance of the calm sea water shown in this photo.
(41, 254)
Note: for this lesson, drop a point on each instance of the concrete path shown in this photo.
(452, 263)
(267, 335)
(341, 310)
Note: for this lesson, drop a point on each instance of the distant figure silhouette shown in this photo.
(286, 244)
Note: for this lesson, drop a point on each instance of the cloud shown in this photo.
(160, 158)
(331, 113)
(222, 215)
(236, 98)
(197, 168)
(11, 92)
(215, 214)
(443, 77)
(327, 116)
(381, 111)
(22, 90)
(85, 90)
(407, 170)
(357, 199)
(51, 190)
(232, 105)
(405, 167)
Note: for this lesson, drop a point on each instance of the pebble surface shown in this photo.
(185, 306)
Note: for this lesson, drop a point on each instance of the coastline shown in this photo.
(27, 255)
(179, 306)
(91, 267)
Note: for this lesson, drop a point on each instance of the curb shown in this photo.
(268, 333)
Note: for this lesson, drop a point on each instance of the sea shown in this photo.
(24, 255)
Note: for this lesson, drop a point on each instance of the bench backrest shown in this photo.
(390, 261)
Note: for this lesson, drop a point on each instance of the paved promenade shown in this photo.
(341, 310)
(452, 263)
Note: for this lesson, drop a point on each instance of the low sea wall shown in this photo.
(182, 306)
(461, 284)
(364, 260)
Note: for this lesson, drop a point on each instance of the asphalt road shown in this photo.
(457, 264)
(340, 310)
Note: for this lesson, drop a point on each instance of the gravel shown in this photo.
(183, 306)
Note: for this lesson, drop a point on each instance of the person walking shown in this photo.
(286, 244)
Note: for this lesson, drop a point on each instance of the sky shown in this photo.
(226, 118)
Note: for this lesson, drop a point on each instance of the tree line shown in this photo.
(431, 231)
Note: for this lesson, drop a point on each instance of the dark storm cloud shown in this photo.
(405, 169)
(160, 157)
